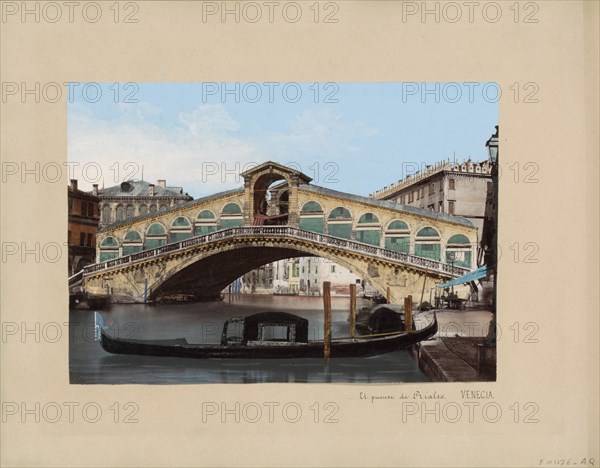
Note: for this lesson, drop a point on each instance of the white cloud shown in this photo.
(201, 142)
(180, 156)
(317, 131)
(210, 119)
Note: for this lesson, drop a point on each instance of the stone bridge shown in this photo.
(201, 246)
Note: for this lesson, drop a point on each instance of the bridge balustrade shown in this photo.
(286, 231)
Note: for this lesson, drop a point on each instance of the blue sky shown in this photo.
(196, 135)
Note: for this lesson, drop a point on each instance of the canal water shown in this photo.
(203, 323)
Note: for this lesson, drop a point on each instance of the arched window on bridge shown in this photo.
(339, 223)
(156, 236)
(129, 211)
(143, 210)
(120, 213)
(106, 214)
(132, 243)
(427, 243)
(109, 249)
(458, 251)
(206, 222)
(397, 236)
(368, 229)
(311, 217)
(181, 229)
(231, 216)
(152, 209)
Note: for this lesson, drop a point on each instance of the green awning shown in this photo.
(471, 276)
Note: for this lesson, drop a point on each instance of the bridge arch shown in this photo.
(260, 187)
(208, 273)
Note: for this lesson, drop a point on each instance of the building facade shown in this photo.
(137, 198)
(453, 188)
(84, 216)
(303, 276)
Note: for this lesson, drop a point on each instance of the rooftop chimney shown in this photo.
(151, 190)
(74, 184)
(95, 190)
(162, 183)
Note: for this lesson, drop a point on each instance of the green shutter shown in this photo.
(180, 221)
(398, 225)
(179, 236)
(368, 237)
(397, 244)
(458, 239)
(153, 243)
(428, 232)
(202, 230)
(105, 256)
(131, 249)
(231, 223)
(340, 230)
(312, 224)
(431, 251)
(232, 208)
(311, 207)
(156, 229)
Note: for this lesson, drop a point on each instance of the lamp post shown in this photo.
(492, 231)
(452, 257)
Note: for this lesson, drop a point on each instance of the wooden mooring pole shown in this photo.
(352, 309)
(388, 295)
(327, 324)
(408, 322)
(423, 292)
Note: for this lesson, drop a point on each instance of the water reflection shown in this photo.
(202, 323)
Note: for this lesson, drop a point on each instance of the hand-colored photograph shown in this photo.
(283, 232)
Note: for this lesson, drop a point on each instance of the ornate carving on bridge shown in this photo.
(373, 271)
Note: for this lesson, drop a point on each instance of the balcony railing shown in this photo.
(281, 232)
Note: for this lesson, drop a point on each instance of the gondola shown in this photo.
(268, 335)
